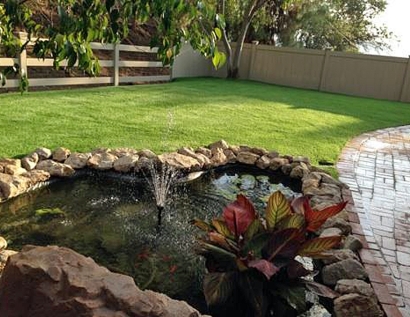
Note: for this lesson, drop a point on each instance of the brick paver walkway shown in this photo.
(376, 166)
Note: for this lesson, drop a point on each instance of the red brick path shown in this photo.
(376, 167)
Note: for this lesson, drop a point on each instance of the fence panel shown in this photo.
(361, 75)
(115, 63)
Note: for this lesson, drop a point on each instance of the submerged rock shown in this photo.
(61, 282)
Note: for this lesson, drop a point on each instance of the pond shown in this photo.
(112, 218)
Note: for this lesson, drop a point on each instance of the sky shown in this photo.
(396, 18)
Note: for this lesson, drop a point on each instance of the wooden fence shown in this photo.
(115, 63)
(373, 76)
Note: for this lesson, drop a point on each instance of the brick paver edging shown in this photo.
(375, 166)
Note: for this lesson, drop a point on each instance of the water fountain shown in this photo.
(160, 177)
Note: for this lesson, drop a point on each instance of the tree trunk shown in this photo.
(235, 60)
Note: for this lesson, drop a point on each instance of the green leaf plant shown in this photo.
(252, 261)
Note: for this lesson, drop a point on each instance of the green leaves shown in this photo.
(277, 209)
(218, 287)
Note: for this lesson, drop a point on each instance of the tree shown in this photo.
(342, 25)
(74, 24)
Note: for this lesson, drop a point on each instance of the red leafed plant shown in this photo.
(251, 259)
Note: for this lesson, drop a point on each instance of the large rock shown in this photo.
(62, 283)
(61, 154)
(201, 158)
(55, 168)
(180, 161)
(43, 153)
(125, 163)
(3, 244)
(37, 176)
(248, 158)
(334, 256)
(102, 161)
(356, 305)
(354, 286)
(78, 160)
(12, 186)
(4, 255)
(221, 144)
(30, 161)
(12, 166)
(346, 269)
(218, 157)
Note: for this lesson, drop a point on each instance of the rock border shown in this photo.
(19, 176)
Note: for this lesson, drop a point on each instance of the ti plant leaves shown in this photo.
(249, 257)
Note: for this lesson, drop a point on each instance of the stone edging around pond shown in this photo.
(342, 271)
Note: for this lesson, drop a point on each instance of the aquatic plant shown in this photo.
(252, 260)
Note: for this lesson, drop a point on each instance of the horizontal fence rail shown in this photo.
(115, 63)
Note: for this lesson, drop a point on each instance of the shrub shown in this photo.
(252, 260)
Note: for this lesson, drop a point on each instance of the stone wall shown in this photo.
(342, 271)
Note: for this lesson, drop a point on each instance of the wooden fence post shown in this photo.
(323, 72)
(116, 64)
(23, 55)
(405, 87)
(253, 57)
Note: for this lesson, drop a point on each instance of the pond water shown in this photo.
(113, 219)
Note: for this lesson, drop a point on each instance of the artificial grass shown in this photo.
(192, 112)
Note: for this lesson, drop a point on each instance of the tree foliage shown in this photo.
(74, 24)
(342, 25)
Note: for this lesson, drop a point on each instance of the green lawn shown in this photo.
(192, 112)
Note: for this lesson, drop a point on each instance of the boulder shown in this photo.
(354, 286)
(30, 161)
(12, 166)
(78, 160)
(43, 153)
(3, 244)
(331, 232)
(218, 157)
(148, 154)
(277, 163)
(248, 158)
(230, 156)
(221, 144)
(352, 243)
(180, 161)
(125, 163)
(334, 256)
(258, 151)
(4, 255)
(299, 170)
(201, 158)
(124, 151)
(102, 161)
(346, 269)
(204, 151)
(263, 162)
(336, 222)
(55, 168)
(61, 154)
(356, 305)
(12, 186)
(286, 169)
(60, 282)
(37, 176)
